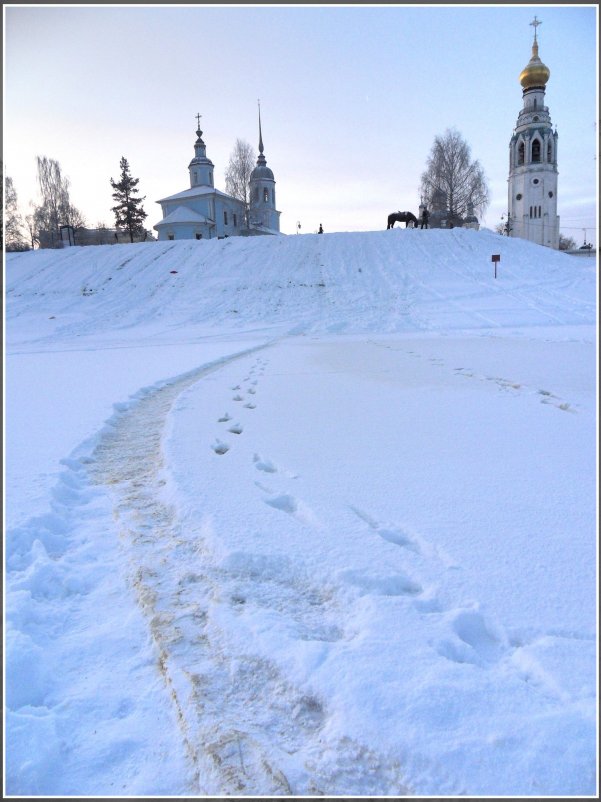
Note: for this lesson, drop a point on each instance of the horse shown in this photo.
(401, 217)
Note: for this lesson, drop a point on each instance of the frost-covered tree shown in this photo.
(129, 213)
(451, 171)
(237, 174)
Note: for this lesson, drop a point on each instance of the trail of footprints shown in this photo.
(244, 394)
(508, 385)
(470, 639)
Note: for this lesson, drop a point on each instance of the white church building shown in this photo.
(204, 212)
(532, 183)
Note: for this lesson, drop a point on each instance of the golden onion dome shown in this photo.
(535, 73)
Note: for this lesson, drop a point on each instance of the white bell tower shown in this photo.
(532, 183)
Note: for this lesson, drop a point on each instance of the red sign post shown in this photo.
(496, 257)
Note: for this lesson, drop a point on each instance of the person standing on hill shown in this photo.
(320, 229)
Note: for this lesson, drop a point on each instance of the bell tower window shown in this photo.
(536, 150)
(521, 153)
(265, 195)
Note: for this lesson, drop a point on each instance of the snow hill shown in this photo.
(301, 516)
(388, 281)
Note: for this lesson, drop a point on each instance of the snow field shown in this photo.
(342, 541)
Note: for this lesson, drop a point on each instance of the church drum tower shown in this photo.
(532, 190)
(263, 213)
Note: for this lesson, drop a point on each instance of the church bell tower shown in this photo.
(263, 213)
(532, 190)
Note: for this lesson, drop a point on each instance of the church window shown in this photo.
(225, 217)
(170, 236)
(521, 153)
(550, 194)
(518, 196)
(531, 211)
(539, 212)
(536, 150)
(534, 102)
(549, 152)
(535, 180)
(265, 195)
(195, 177)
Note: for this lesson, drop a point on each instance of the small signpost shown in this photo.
(496, 257)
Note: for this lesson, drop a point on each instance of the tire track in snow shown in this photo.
(129, 461)
(245, 728)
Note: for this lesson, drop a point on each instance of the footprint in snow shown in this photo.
(474, 642)
(265, 465)
(224, 418)
(237, 397)
(220, 448)
(236, 429)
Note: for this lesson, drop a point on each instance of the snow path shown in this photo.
(234, 715)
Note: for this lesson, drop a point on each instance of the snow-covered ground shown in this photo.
(308, 515)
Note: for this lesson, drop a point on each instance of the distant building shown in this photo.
(532, 187)
(204, 212)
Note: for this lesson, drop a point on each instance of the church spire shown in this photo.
(261, 161)
(260, 134)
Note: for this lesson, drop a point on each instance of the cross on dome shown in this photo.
(535, 23)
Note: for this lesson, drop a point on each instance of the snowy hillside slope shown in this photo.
(387, 281)
(309, 515)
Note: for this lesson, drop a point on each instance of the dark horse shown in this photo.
(401, 217)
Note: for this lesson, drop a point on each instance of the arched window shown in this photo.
(521, 153)
(225, 217)
(549, 152)
(257, 194)
(266, 195)
(536, 150)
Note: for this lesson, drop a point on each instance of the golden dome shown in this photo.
(535, 73)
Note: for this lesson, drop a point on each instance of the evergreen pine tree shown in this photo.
(129, 213)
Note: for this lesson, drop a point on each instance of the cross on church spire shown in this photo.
(535, 23)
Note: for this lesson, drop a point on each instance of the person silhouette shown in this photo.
(320, 229)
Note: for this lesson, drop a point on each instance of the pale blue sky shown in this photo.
(351, 100)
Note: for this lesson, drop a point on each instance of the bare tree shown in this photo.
(566, 243)
(237, 175)
(30, 224)
(13, 224)
(55, 208)
(450, 171)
